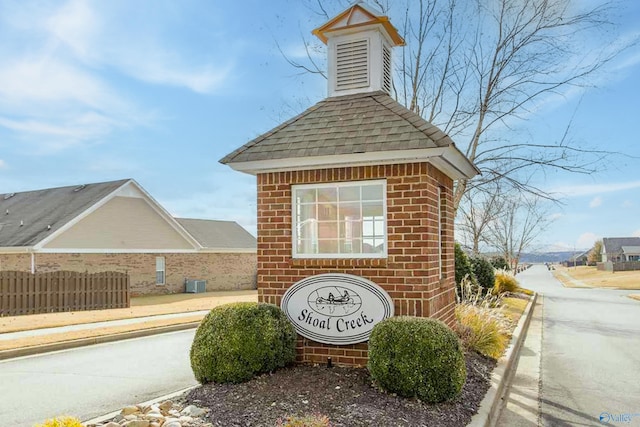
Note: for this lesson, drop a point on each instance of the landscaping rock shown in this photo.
(165, 414)
(193, 411)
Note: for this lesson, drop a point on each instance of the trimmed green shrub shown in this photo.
(417, 357)
(505, 282)
(237, 341)
(484, 272)
(61, 422)
(463, 266)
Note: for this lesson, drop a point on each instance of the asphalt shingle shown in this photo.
(363, 122)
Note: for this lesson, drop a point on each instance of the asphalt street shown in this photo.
(90, 381)
(590, 363)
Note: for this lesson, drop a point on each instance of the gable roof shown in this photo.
(31, 216)
(357, 124)
(613, 245)
(214, 234)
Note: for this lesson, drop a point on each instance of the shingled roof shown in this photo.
(350, 124)
(218, 234)
(613, 245)
(28, 217)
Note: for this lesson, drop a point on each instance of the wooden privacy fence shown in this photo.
(27, 293)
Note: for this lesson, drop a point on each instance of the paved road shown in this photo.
(590, 353)
(91, 381)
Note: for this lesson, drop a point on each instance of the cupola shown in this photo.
(359, 42)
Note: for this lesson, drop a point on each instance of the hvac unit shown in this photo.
(195, 286)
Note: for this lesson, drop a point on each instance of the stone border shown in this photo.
(64, 345)
(503, 374)
(106, 417)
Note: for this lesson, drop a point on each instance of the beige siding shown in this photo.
(122, 223)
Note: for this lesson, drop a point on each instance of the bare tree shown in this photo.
(476, 68)
(478, 209)
(522, 218)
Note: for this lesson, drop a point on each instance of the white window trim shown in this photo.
(440, 239)
(294, 233)
(164, 270)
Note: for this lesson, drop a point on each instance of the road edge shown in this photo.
(502, 375)
(82, 342)
(106, 417)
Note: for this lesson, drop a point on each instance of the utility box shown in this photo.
(195, 286)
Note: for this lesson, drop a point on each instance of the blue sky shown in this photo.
(158, 91)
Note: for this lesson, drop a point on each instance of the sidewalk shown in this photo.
(33, 334)
(522, 402)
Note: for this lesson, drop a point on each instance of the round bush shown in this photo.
(236, 341)
(417, 357)
(484, 272)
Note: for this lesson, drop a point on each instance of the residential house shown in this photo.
(620, 249)
(118, 226)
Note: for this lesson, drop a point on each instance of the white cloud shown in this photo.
(586, 240)
(593, 189)
(595, 202)
(555, 216)
(3, 164)
(636, 233)
(627, 204)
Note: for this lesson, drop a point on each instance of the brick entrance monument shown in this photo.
(356, 185)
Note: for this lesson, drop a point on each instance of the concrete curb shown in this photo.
(64, 345)
(503, 373)
(107, 417)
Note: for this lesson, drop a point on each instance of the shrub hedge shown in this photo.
(484, 272)
(237, 341)
(417, 357)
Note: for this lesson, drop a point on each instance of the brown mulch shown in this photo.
(345, 395)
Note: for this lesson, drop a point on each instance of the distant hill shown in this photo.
(546, 256)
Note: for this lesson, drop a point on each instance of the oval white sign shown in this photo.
(336, 308)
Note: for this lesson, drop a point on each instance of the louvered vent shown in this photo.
(352, 64)
(386, 69)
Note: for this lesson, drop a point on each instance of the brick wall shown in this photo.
(410, 273)
(221, 271)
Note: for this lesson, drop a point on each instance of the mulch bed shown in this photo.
(346, 396)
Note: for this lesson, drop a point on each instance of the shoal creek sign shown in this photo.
(336, 308)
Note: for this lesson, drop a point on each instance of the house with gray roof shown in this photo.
(620, 249)
(118, 226)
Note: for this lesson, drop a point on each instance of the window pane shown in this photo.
(306, 212)
(328, 230)
(306, 195)
(328, 212)
(372, 209)
(328, 246)
(307, 246)
(372, 192)
(349, 193)
(349, 211)
(351, 246)
(327, 195)
(350, 229)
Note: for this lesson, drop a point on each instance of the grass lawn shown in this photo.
(140, 307)
(585, 276)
